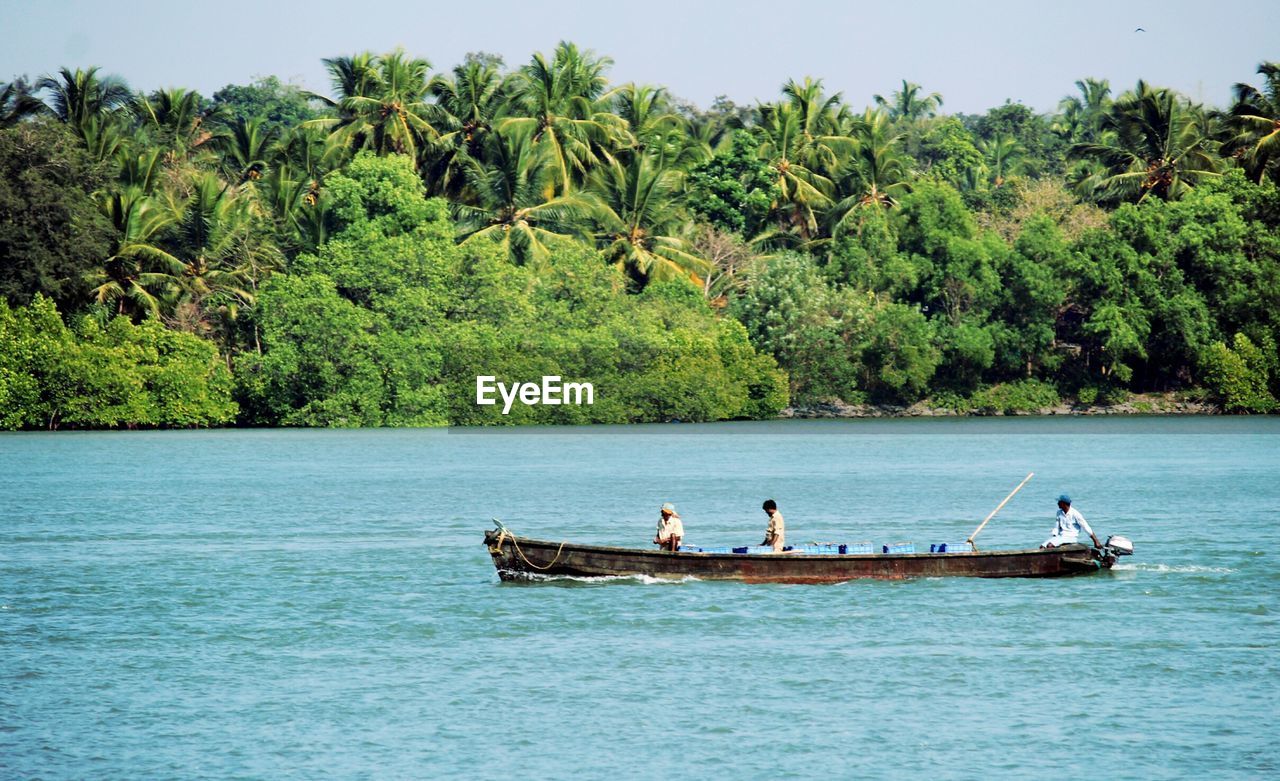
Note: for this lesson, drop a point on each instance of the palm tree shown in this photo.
(908, 104)
(561, 105)
(138, 271)
(381, 103)
(104, 137)
(248, 148)
(139, 170)
(311, 152)
(80, 96)
(1255, 120)
(475, 98)
(637, 220)
(292, 187)
(1153, 142)
(877, 174)
(821, 115)
(348, 76)
(18, 101)
(175, 118)
(1003, 156)
(223, 262)
(713, 129)
(515, 201)
(471, 103)
(650, 117)
(293, 199)
(803, 192)
(805, 139)
(1080, 117)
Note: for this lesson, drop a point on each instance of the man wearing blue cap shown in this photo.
(1069, 525)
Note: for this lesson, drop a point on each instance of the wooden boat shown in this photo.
(519, 558)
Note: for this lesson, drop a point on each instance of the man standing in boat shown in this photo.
(776, 533)
(1069, 524)
(670, 529)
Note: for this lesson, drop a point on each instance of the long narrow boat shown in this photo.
(519, 558)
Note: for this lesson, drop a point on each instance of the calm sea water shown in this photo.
(318, 604)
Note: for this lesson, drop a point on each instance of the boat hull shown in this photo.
(518, 558)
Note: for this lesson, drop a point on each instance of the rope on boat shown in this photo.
(504, 534)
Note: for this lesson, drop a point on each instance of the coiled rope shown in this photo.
(504, 534)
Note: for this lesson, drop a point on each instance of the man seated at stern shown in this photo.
(1069, 525)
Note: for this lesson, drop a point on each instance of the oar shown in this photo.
(998, 506)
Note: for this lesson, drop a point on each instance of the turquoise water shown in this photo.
(317, 604)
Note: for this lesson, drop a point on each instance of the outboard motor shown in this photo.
(1115, 547)
(1118, 546)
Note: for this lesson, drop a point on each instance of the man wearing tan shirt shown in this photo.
(776, 533)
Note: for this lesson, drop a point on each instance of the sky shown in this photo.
(977, 55)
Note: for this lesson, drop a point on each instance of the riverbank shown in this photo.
(1135, 404)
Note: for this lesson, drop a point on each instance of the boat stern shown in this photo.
(1111, 550)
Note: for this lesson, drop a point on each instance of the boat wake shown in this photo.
(602, 580)
(1174, 568)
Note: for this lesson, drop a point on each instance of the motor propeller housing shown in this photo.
(1118, 545)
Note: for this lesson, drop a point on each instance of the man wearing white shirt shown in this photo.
(1069, 525)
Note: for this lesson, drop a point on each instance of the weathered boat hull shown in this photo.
(520, 558)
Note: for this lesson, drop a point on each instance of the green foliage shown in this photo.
(1255, 126)
(837, 343)
(1153, 143)
(1020, 396)
(949, 152)
(1029, 300)
(1240, 374)
(733, 190)
(51, 232)
(105, 377)
(1042, 150)
(899, 356)
(390, 323)
(969, 350)
(267, 98)
(359, 263)
(348, 335)
(790, 313)
(327, 362)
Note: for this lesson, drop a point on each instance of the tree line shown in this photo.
(355, 258)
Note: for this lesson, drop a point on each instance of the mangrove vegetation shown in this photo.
(270, 256)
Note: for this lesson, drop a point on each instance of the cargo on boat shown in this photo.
(523, 558)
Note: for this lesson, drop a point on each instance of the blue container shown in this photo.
(955, 547)
(900, 547)
(690, 549)
(857, 547)
(717, 550)
(757, 549)
(743, 549)
(820, 550)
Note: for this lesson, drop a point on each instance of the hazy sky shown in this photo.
(975, 54)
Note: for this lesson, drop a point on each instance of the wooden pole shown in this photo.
(1025, 480)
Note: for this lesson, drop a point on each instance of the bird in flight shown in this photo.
(1139, 30)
